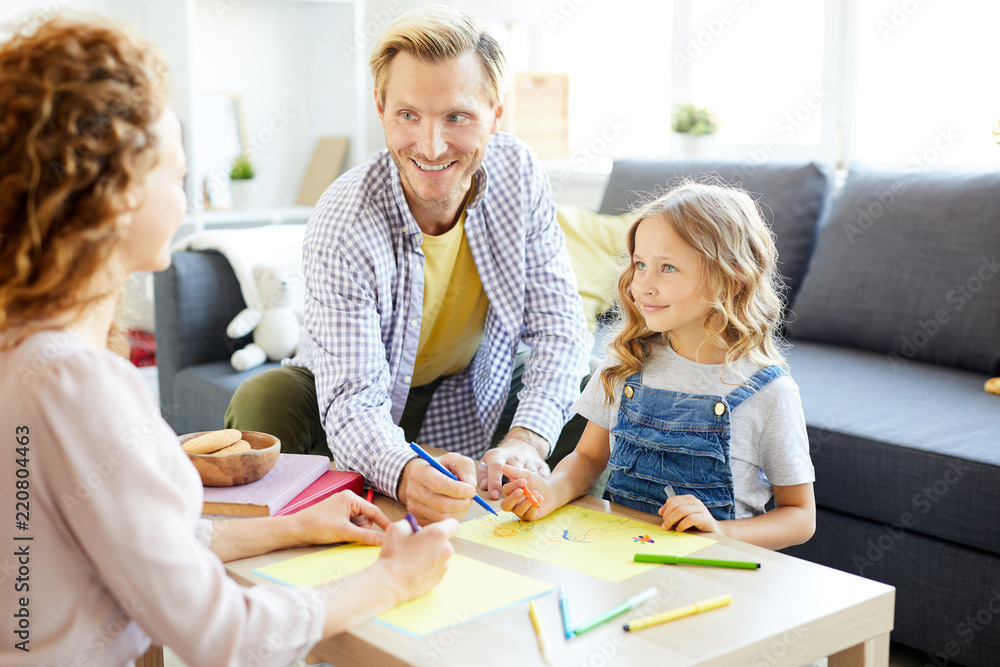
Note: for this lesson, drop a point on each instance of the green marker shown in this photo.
(681, 560)
(631, 603)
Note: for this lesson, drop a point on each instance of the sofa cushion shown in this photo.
(202, 393)
(915, 445)
(595, 242)
(906, 264)
(791, 197)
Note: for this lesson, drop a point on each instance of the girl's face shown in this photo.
(162, 204)
(666, 285)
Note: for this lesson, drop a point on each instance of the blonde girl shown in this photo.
(693, 410)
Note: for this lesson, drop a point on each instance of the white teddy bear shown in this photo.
(277, 329)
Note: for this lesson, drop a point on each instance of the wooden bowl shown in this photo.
(236, 469)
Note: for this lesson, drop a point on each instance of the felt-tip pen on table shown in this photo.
(684, 560)
(680, 612)
(564, 608)
(631, 603)
(441, 469)
(536, 623)
(531, 497)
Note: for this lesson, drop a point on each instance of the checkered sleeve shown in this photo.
(348, 359)
(554, 323)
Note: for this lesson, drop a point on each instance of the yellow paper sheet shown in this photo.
(469, 589)
(595, 543)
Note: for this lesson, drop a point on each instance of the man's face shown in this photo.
(437, 122)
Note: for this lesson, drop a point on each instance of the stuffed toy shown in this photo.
(993, 386)
(277, 327)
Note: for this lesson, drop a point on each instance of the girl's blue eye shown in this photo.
(640, 266)
(668, 268)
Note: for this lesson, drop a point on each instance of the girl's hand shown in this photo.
(683, 512)
(517, 502)
(416, 562)
(330, 521)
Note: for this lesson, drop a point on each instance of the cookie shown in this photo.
(212, 441)
(993, 386)
(237, 447)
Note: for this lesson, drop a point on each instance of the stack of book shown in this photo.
(295, 482)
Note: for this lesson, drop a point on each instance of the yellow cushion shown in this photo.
(596, 243)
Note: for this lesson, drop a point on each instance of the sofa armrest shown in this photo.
(195, 299)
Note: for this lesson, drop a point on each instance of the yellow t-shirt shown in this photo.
(454, 305)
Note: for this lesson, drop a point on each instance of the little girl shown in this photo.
(693, 410)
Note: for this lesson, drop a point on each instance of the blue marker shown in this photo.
(440, 468)
(564, 606)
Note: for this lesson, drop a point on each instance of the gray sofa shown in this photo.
(894, 325)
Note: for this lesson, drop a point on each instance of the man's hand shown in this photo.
(430, 495)
(520, 449)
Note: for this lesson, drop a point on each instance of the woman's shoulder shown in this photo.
(62, 363)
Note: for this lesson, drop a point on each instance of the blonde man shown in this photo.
(426, 268)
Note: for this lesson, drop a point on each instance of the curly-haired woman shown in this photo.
(100, 505)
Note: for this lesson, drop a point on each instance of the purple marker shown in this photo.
(413, 522)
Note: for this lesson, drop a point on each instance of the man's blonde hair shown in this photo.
(434, 34)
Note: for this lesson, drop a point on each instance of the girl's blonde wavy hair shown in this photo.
(77, 104)
(741, 285)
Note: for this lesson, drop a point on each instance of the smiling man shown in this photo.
(425, 269)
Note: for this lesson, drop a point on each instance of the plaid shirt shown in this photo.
(364, 303)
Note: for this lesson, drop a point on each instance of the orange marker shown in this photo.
(531, 497)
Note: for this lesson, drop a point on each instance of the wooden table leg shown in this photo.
(151, 658)
(873, 653)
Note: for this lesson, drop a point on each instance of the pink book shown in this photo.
(290, 475)
(329, 483)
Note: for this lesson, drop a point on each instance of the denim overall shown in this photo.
(665, 438)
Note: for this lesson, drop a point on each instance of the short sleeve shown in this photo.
(784, 443)
(593, 404)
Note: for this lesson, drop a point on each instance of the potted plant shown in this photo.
(241, 175)
(696, 127)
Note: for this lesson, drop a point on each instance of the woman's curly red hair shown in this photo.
(77, 104)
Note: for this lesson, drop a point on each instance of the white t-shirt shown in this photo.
(768, 441)
(118, 552)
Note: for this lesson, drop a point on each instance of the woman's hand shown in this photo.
(683, 512)
(517, 502)
(416, 562)
(343, 517)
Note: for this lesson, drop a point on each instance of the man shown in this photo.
(425, 268)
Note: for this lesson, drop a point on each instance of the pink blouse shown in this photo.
(103, 545)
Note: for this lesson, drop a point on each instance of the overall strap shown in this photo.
(754, 384)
